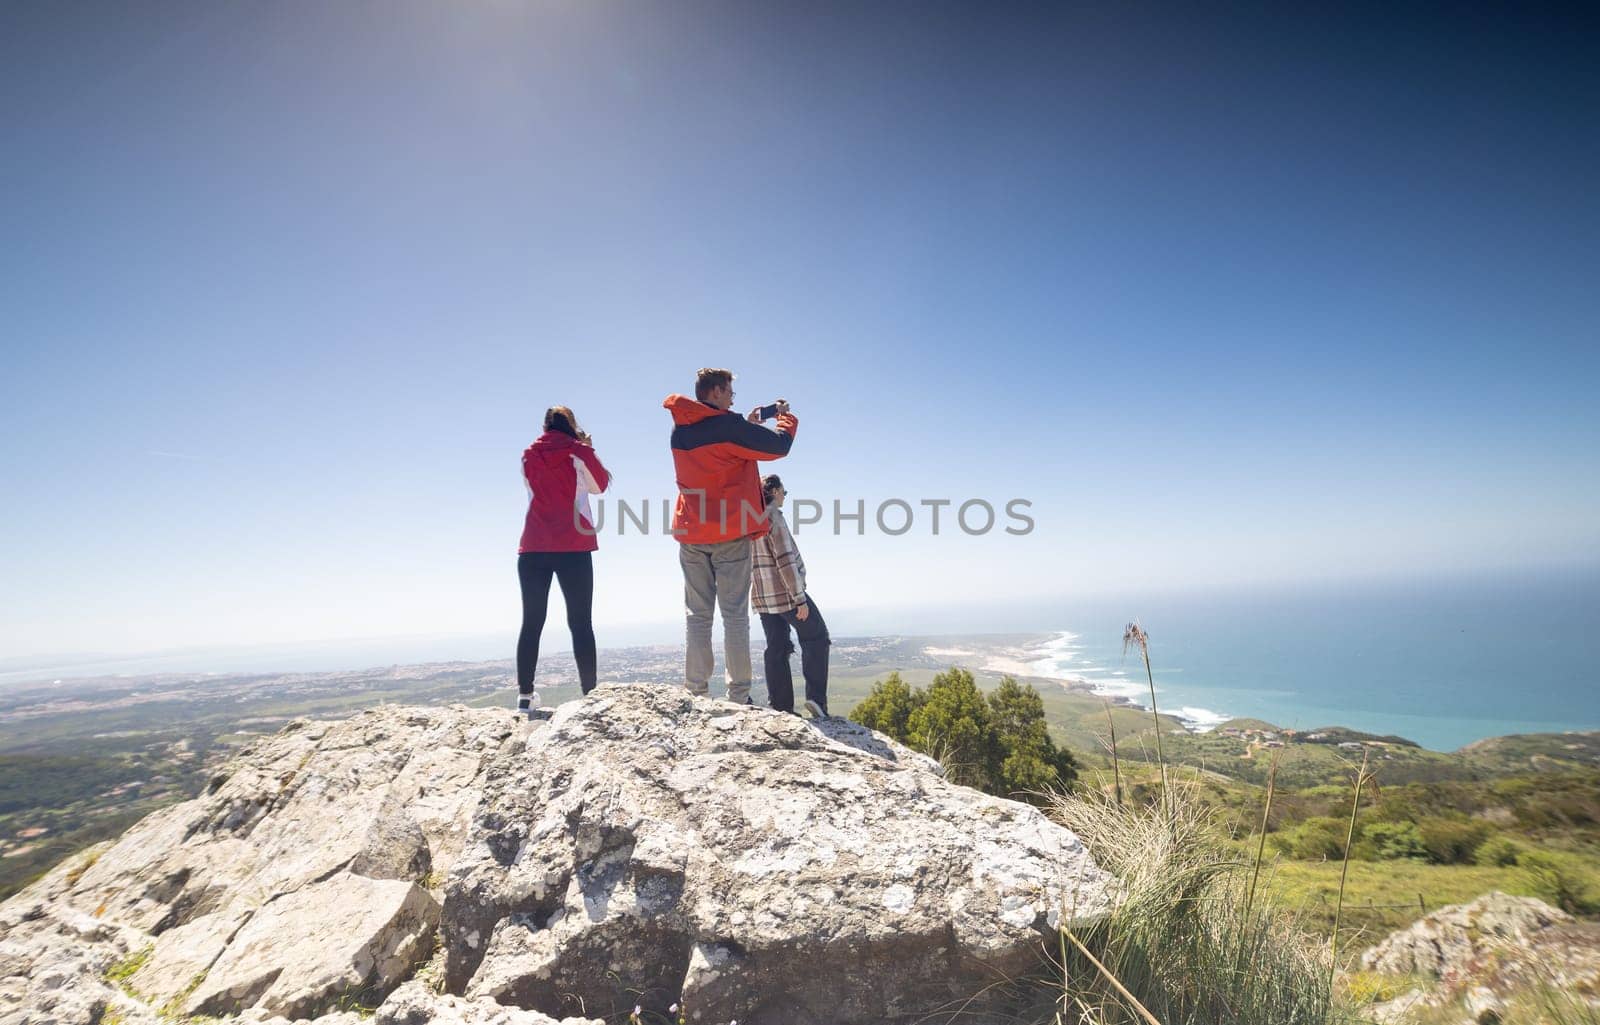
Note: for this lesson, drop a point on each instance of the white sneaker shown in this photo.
(815, 710)
(526, 703)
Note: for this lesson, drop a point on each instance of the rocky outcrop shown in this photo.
(641, 847)
(57, 957)
(1481, 956)
(648, 848)
(287, 887)
(340, 936)
(1448, 942)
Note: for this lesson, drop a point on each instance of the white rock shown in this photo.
(824, 846)
(1448, 940)
(343, 938)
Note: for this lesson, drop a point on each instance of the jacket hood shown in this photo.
(550, 442)
(554, 438)
(686, 410)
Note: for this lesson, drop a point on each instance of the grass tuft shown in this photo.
(172, 1010)
(119, 973)
(88, 862)
(1187, 944)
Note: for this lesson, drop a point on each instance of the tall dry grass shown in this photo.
(1134, 636)
(1111, 746)
(1361, 780)
(1190, 942)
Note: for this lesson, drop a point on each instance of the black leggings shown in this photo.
(575, 572)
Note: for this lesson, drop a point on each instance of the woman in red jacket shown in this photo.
(558, 537)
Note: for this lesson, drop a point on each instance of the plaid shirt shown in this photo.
(777, 573)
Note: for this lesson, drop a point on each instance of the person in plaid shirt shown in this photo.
(778, 592)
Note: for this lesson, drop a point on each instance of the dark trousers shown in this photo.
(814, 642)
(575, 572)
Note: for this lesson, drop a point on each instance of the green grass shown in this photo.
(1361, 988)
(1413, 885)
(120, 973)
(172, 1010)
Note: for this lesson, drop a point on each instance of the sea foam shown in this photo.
(1061, 658)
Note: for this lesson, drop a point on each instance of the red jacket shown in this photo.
(561, 474)
(715, 453)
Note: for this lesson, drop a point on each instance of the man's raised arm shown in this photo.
(756, 442)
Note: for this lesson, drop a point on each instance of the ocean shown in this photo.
(1443, 662)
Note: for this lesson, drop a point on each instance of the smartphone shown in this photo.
(771, 412)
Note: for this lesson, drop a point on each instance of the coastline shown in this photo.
(1202, 704)
(1061, 659)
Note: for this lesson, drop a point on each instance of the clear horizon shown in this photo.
(1442, 662)
(1066, 612)
(1274, 297)
(669, 630)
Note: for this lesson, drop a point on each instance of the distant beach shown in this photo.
(1443, 661)
(1062, 657)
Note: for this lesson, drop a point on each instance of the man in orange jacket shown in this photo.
(719, 510)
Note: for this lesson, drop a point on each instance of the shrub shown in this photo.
(1559, 879)
(1316, 839)
(1452, 841)
(1389, 841)
(1498, 852)
(1394, 807)
(1572, 810)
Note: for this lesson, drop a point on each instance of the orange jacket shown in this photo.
(715, 453)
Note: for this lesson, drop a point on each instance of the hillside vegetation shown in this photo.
(1519, 815)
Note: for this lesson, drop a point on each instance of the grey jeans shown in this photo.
(715, 575)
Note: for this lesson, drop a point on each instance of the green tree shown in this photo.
(888, 708)
(1030, 761)
(999, 744)
(952, 724)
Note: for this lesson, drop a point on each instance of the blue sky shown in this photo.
(1268, 296)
